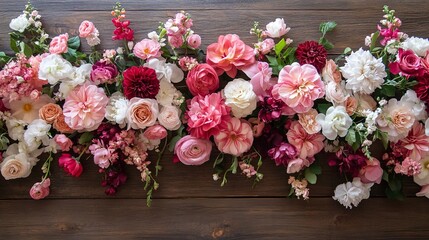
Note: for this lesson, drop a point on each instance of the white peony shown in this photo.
(277, 28)
(419, 45)
(15, 128)
(335, 123)
(166, 94)
(363, 72)
(239, 95)
(352, 193)
(165, 71)
(36, 134)
(20, 23)
(427, 127)
(419, 107)
(55, 68)
(169, 117)
(116, 110)
(80, 74)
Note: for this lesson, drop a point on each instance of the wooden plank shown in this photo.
(266, 218)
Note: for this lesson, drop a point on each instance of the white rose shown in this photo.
(36, 133)
(277, 28)
(336, 122)
(64, 89)
(239, 95)
(418, 45)
(116, 110)
(166, 93)
(165, 71)
(169, 117)
(16, 166)
(419, 107)
(20, 23)
(55, 68)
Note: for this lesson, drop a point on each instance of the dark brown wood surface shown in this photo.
(189, 204)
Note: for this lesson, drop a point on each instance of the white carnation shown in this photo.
(419, 107)
(80, 75)
(363, 72)
(239, 95)
(335, 123)
(36, 133)
(166, 93)
(20, 23)
(55, 68)
(419, 45)
(116, 110)
(352, 193)
(165, 71)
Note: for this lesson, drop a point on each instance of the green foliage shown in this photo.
(324, 28)
(85, 138)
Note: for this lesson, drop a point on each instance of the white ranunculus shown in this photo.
(350, 194)
(15, 128)
(166, 93)
(419, 107)
(419, 45)
(277, 28)
(239, 95)
(427, 127)
(165, 71)
(36, 134)
(335, 123)
(363, 72)
(16, 166)
(20, 23)
(55, 68)
(116, 110)
(169, 117)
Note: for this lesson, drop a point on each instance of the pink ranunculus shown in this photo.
(194, 41)
(155, 132)
(63, 141)
(193, 151)
(299, 86)
(202, 80)
(70, 165)
(58, 44)
(86, 28)
(235, 138)
(40, 190)
(372, 172)
(85, 107)
(229, 54)
(408, 64)
(306, 144)
(146, 49)
(206, 114)
(261, 80)
(101, 157)
(176, 41)
(416, 144)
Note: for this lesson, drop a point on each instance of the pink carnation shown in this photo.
(194, 41)
(236, 138)
(58, 44)
(147, 48)
(306, 144)
(85, 107)
(372, 172)
(229, 54)
(206, 115)
(86, 28)
(299, 86)
(193, 151)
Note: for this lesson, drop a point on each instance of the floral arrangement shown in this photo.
(273, 101)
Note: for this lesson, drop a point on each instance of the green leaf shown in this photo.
(327, 27)
(347, 50)
(394, 195)
(173, 142)
(26, 49)
(385, 176)
(384, 137)
(279, 46)
(326, 44)
(289, 55)
(395, 185)
(4, 142)
(374, 40)
(388, 90)
(316, 169)
(323, 107)
(273, 61)
(310, 176)
(86, 137)
(218, 160)
(234, 165)
(73, 43)
(14, 45)
(351, 137)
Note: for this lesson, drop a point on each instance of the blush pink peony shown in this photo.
(299, 86)
(416, 144)
(146, 49)
(58, 44)
(85, 107)
(229, 54)
(86, 28)
(235, 138)
(193, 151)
(306, 144)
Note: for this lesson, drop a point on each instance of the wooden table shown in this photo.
(189, 204)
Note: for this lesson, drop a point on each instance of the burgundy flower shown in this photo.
(272, 109)
(140, 82)
(422, 88)
(349, 163)
(103, 72)
(107, 132)
(283, 153)
(122, 31)
(311, 52)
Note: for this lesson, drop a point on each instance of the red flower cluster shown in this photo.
(311, 52)
(122, 31)
(140, 82)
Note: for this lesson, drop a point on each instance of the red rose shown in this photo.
(408, 64)
(311, 52)
(202, 80)
(70, 165)
(140, 82)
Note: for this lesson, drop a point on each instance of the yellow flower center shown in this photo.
(27, 107)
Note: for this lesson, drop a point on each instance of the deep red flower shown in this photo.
(422, 88)
(70, 165)
(140, 82)
(122, 31)
(311, 52)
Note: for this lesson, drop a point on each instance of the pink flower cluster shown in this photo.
(179, 31)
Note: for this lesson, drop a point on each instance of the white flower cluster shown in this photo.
(350, 194)
(420, 46)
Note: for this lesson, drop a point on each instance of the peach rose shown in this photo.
(142, 113)
(330, 72)
(86, 28)
(58, 44)
(61, 126)
(50, 112)
(169, 117)
(308, 121)
(351, 105)
(365, 102)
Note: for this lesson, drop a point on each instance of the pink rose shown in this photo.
(235, 138)
(146, 49)
(261, 80)
(193, 151)
(229, 54)
(63, 141)
(372, 172)
(194, 41)
(142, 113)
(103, 72)
(58, 44)
(202, 80)
(70, 165)
(277, 28)
(101, 157)
(169, 117)
(307, 145)
(330, 72)
(408, 64)
(295, 165)
(308, 121)
(86, 28)
(155, 132)
(40, 190)
(266, 46)
(176, 41)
